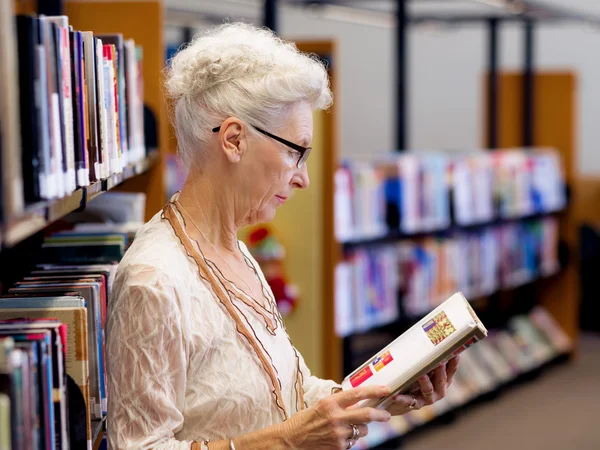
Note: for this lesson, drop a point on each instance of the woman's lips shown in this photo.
(281, 199)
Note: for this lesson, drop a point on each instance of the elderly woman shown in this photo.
(198, 355)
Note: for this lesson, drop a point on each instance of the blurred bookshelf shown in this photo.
(391, 237)
(415, 227)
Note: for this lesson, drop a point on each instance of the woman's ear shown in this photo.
(232, 138)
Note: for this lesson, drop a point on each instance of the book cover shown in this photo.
(27, 32)
(54, 369)
(109, 270)
(35, 422)
(81, 144)
(111, 108)
(56, 188)
(141, 140)
(118, 56)
(58, 45)
(90, 293)
(445, 332)
(89, 62)
(43, 108)
(135, 100)
(102, 111)
(66, 89)
(12, 180)
(77, 365)
(5, 425)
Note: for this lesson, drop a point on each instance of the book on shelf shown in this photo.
(71, 108)
(56, 317)
(423, 272)
(5, 431)
(91, 105)
(91, 292)
(53, 383)
(12, 179)
(442, 334)
(32, 139)
(76, 362)
(63, 60)
(366, 290)
(424, 191)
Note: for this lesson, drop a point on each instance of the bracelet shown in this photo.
(231, 446)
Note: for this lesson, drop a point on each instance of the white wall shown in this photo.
(446, 67)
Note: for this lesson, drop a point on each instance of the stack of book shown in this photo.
(419, 192)
(75, 108)
(52, 343)
(529, 342)
(423, 272)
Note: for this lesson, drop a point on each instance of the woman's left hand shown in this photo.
(432, 389)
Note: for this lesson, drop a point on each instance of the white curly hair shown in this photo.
(243, 71)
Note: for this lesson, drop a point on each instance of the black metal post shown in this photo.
(271, 14)
(401, 74)
(492, 93)
(50, 7)
(528, 84)
(187, 34)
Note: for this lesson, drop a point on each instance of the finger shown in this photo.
(352, 396)
(427, 388)
(365, 415)
(422, 401)
(451, 369)
(439, 381)
(404, 401)
(363, 430)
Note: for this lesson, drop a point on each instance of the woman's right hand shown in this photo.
(328, 424)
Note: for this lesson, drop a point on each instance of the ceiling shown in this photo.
(216, 10)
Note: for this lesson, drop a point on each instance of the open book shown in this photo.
(443, 333)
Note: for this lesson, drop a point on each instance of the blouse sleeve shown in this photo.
(147, 364)
(315, 388)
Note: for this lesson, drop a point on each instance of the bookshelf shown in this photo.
(22, 234)
(38, 216)
(395, 236)
(97, 433)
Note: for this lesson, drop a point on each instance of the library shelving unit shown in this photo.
(38, 216)
(19, 234)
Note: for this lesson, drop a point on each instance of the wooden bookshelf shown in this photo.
(38, 216)
(97, 432)
(555, 114)
(141, 20)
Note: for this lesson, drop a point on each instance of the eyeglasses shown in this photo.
(304, 151)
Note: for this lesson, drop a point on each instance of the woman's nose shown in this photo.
(301, 179)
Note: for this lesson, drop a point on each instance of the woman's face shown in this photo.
(269, 168)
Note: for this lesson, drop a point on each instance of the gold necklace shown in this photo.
(228, 265)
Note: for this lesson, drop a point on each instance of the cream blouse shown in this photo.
(190, 356)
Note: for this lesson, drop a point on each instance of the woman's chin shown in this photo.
(266, 215)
